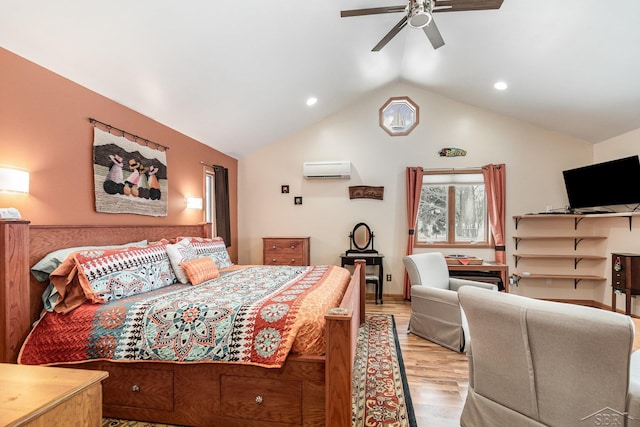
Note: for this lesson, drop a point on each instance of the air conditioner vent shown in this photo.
(327, 170)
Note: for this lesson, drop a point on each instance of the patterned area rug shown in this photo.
(380, 390)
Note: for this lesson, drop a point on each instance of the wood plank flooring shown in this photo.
(438, 377)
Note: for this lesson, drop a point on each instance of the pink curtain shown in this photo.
(414, 188)
(494, 184)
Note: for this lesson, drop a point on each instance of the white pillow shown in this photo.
(181, 252)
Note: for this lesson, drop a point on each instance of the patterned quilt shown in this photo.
(249, 315)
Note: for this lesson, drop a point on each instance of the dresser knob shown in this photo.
(273, 260)
(135, 388)
(293, 260)
(259, 400)
(293, 246)
(273, 247)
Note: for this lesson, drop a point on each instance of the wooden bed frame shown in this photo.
(306, 391)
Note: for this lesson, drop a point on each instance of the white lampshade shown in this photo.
(194, 203)
(14, 180)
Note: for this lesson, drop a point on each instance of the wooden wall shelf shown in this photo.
(577, 218)
(576, 239)
(553, 254)
(577, 278)
(576, 258)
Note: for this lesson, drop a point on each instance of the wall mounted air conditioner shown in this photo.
(327, 170)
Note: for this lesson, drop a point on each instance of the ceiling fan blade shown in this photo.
(460, 5)
(391, 34)
(433, 34)
(372, 11)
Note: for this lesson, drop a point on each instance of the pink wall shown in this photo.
(44, 129)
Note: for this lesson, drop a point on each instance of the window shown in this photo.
(453, 210)
(209, 199)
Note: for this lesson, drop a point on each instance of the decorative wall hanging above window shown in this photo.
(399, 116)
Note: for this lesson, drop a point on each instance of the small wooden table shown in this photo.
(39, 396)
(502, 269)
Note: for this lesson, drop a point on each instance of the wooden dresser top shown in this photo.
(28, 391)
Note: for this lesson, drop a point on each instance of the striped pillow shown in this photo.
(214, 248)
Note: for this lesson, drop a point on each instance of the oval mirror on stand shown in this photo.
(361, 239)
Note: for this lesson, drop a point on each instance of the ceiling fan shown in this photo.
(419, 14)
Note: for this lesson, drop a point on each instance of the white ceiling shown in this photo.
(235, 74)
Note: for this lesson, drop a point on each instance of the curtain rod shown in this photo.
(211, 166)
(472, 169)
(124, 132)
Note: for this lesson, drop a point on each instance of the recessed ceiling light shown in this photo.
(501, 85)
(312, 101)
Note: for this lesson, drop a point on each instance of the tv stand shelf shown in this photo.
(550, 246)
(576, 258)
(577, 218)
(576, 239)
(577, 278)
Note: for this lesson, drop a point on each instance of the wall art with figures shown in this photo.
(129, 177)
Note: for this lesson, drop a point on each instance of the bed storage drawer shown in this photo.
(261, 399)
(139, 388)
(285, 250)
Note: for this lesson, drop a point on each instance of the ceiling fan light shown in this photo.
(419, 18)
(419, 15)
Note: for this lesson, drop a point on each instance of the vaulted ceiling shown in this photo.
(235, 75)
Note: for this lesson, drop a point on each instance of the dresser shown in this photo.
(625, 278)
(285, 251)
(39, 396)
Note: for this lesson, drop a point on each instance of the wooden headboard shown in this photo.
(22, 246)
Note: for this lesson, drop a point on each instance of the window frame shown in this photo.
(451, 243)
(210, 200)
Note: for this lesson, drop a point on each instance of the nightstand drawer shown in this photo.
(274, 259)
(284, 246)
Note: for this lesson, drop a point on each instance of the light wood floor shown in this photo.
(438, 377)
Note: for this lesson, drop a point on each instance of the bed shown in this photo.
(307, 390)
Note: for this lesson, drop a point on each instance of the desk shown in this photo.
(502, 269)
(370, 259)
(37, 396)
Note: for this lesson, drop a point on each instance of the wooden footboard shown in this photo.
(306, 391)
(342, 334)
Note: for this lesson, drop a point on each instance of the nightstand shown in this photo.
(42, 396)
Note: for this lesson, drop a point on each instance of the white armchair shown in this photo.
(435, 310)
(535, 363)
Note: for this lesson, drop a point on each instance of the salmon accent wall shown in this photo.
(45, 129)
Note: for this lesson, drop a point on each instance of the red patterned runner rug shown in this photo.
(380, 390)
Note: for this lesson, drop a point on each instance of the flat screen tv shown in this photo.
(616, 182)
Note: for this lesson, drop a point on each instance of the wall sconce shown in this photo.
(14, 180)
(194, 203)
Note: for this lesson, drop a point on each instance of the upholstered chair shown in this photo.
(435, 310)
(535, 363)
